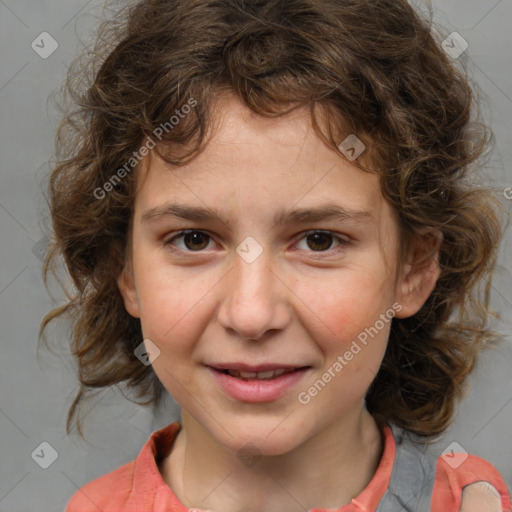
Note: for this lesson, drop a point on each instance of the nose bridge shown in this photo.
(254, 300)
(254, 278)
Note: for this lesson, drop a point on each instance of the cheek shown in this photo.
(354, 356)
(347, 305)
(173, 306)
(353, 337)
(174, 318)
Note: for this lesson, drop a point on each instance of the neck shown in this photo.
(326, 471)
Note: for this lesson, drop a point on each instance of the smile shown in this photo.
(261, 386)
(257, 375)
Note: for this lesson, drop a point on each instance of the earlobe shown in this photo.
(419, 276)
(127, 288)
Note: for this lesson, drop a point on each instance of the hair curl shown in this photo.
(375, 68)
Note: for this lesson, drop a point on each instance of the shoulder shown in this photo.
(481, 497)
(106, 493)
(467, 483)
(130, 486)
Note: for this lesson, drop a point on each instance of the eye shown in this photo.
(321, 241)
(193, 240)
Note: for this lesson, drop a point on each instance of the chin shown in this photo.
(256, 439)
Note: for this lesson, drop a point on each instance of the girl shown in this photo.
(266, 211)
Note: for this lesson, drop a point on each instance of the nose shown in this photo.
(255, 299)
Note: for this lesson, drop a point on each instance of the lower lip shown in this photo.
(257, 390)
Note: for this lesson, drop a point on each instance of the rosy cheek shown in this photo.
(358, 338)
(343, 318)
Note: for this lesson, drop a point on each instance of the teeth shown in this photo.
(266, 375)
(248, 375)
(258, 375)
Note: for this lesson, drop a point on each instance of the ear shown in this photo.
(418, 276)
(126, 285)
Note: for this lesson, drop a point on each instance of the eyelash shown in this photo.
(343, 242)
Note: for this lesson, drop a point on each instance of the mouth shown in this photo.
(268, 375)
(262, 383)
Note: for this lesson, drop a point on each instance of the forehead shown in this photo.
(260, 162)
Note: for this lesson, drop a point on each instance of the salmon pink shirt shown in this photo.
(138, 485)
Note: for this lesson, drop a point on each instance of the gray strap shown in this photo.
(412, 478)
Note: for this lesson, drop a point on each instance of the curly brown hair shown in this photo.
(374, 68)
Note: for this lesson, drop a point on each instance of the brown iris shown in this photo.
(195, 237)
(323, 240)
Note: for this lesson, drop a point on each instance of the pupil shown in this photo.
(195, 237)
(318, 238)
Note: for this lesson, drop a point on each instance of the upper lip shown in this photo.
(264, 367)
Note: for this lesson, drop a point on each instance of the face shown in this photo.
(270, 281)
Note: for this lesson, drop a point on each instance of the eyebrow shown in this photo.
(329, 211)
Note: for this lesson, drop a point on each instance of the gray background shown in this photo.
(35, 392)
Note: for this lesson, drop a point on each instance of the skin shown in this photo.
(480, 497)
(207, 304)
